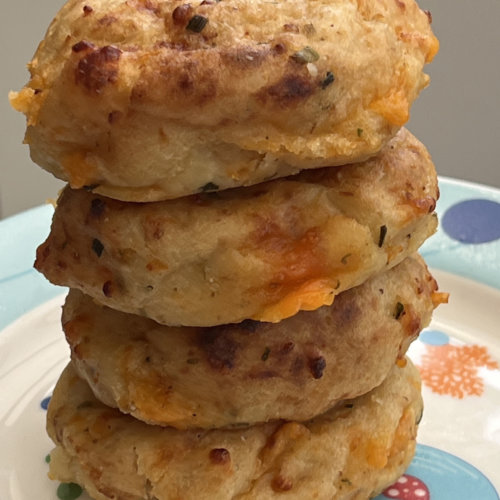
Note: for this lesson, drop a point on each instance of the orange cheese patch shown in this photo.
(80, 172)
(308, 297)
(394, 107)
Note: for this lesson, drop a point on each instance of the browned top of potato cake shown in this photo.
(149, 100)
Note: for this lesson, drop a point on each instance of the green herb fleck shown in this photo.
(345, 257)
(97, 207)
(209, 186)
(266, 353)
(69, 491)
(360, 132)
(47, 459)
(346, 481)
(329, 79)
(197, 23)
(399, 310)
(238, 425)
(306, 55)
(381, 238)
(84, 404)
(309, 29)
(98, 247)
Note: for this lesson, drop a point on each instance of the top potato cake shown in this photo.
(146, 100)
(261, 252)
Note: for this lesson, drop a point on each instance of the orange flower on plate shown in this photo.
(453, 370)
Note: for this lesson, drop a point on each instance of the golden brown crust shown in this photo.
(126, 99)
(262, 252)
(250, 372)
(352, 452)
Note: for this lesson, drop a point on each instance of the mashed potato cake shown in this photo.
(263, 252)
(250, 372)
(148, 100)
(352, 452)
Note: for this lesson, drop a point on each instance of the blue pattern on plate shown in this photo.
(473, 221)
(447, 253)
(45, 402)
(448, 477)
(434, 337)
(20, 236)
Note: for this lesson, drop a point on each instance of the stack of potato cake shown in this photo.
(239, 236)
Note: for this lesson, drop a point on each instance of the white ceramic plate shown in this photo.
(458, 456)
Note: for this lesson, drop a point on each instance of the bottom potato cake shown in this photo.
(351, 452)
(250, 372)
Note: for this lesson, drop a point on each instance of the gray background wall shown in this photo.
(457, 117)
